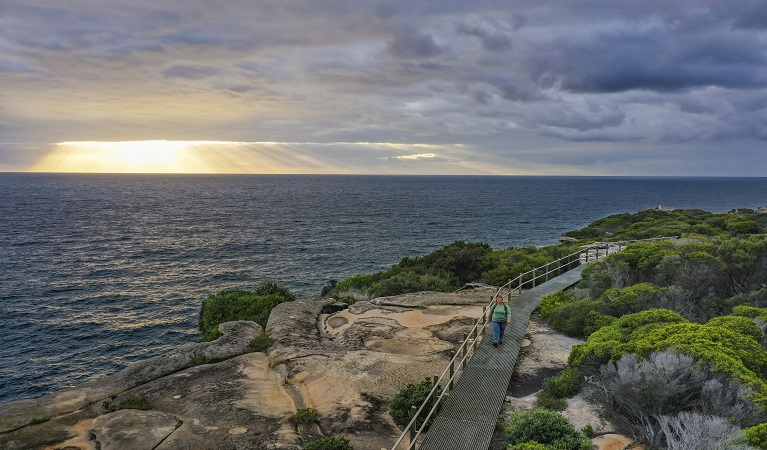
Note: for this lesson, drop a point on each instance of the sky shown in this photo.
(503, 87)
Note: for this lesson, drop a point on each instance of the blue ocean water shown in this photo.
(97, 271)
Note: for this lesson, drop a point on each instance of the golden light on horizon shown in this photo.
(159, 156)
(222, 157)
(124, 157)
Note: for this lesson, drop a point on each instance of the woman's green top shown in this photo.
(500, 313)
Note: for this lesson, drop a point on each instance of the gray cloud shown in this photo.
(192, 72)
(500, 78)
(409, 43)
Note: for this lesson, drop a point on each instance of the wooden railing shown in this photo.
(461, 356)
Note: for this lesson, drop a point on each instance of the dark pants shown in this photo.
(498, 329)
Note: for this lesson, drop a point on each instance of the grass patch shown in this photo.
(38, 420)
(135, 402)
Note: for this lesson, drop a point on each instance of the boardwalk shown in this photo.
(469, 415)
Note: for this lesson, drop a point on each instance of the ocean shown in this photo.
(97, 271)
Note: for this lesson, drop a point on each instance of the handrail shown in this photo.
(474, 336)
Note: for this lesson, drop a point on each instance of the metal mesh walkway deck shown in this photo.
(469, 415)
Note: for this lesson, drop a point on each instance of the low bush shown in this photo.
(547, 428)
(757, 436)
(645, 397)
(738, 356)
(411, 395)
(306, 416)
(558, 388)
(330, 443)
(260, 343)
(694, 431)
(532, 445)
(547, 401)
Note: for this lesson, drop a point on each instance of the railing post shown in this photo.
(463, 351)
(474, 339)
(547, 271)
(533, 276)
(413, 428)
(452, 372)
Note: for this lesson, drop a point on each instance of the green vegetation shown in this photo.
(306, 416)
(197, 361)
(532, 429)
(240, 305)
(411, 395)
(652, 223)
(38, 420)
(135, 402)
(557, 389)
(330, 443)
(676, 350)
(260, 343)
(757, 436)
(717, 243)
(447, 269)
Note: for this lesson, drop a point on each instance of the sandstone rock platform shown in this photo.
(345, 363)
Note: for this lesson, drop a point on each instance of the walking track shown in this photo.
(469, 415)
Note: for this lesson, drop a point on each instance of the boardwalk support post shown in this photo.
(452, 371)
(463, 350)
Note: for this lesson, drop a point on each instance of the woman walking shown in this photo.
(500, 316)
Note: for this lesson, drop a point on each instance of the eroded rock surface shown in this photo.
(347, 364)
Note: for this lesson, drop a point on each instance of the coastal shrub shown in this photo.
(739, 356)
(635, 394)
(445, 269)
(330, 443)
(504, 265)
(413, 394)
(757, 436)
(549, 402)
(465, 261)
(557, 389)
(271, 288)
(240, 305)
(655, 223)
(588, 431)
(306, 416)
(548, 428)
(738, 324)
(345, 298)
(532, 445)
(694, 431)
(632, 299)
(410, 281)
(260, 343)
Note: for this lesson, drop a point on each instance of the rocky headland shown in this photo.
(344, 362)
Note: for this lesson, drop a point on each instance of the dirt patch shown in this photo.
(526, 384)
